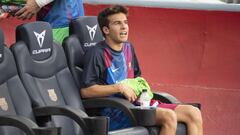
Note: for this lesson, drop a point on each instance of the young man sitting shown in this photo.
(114, 60)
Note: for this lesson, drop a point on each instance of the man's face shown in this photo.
(117, 30)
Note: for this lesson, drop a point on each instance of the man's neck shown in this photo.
(114, 46)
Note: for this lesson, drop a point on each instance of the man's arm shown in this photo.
(106, 90)
(31, 8)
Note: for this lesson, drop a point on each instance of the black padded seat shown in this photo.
(16, 114)
(84, 34)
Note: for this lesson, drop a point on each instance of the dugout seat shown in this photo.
(84, 34)
(16, 114)
(45, 74)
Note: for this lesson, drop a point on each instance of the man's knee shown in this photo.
(195, 114)
(168, 117)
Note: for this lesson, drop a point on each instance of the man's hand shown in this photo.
(28, 11)
(127, 92)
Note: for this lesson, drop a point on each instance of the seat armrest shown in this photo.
(122, 104)
(146, 116)
(99, 125)
(165, 97)
(76, 115)
(198, 105)
(22, 123)
(47, 130)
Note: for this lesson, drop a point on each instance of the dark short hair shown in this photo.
(103, 15)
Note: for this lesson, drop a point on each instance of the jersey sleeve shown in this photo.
(92, 69)
(42, 3)
(136, 67)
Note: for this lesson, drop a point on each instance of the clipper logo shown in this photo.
(89, 44)
(40, 37)
(92, 31)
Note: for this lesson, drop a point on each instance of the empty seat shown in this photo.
(16, 114)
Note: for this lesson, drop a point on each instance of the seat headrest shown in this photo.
(38, 38)
(1, 45)
(87, 30)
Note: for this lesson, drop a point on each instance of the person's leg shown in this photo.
(192, 117)
(168, 121)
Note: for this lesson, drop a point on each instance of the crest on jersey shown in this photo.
(3, 104)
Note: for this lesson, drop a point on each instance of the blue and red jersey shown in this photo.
(118, 64)
(59, 12)
(103, 65)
